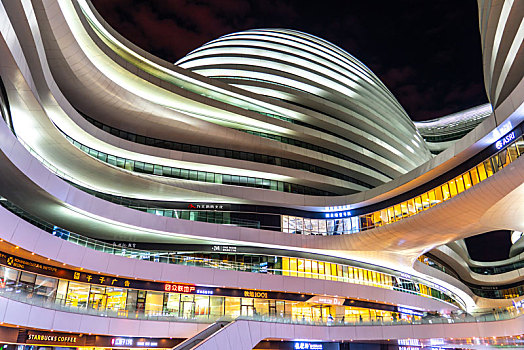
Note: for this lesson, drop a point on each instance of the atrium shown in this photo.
(266, 191)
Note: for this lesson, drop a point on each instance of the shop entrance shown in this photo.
(187, 306)
(276, 308)
(98, 301)
(247, 310)
(320, 312)
(187, 309)
(247, 307)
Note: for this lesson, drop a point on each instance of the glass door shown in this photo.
(247, 307)
(187, 306)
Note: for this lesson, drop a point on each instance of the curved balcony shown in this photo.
(63, 305)
(416, 286)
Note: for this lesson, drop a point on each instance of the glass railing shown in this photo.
(340, 223)
(491, 292)
(65, 305)
(495, 270)
(209, 216)
(335, 272)
(242, 155)
(197, 175)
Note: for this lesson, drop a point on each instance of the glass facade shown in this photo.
(197, 175)
(129, 302)
(400, 211)
(491, 292)
(249, 156)
(316, 269)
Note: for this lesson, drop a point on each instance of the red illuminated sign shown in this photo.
(180, 288)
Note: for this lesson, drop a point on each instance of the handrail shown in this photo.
(180, 259)
(65, 306)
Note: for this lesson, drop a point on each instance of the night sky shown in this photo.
(427, 52)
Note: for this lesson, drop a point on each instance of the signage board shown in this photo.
(505, 140)
(302, 345)
(54, 338)
(407, 311)
(326, 300)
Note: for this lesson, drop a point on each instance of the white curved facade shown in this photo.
(331, 88)
(268, 172)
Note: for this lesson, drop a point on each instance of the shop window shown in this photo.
(452, 188)
(232, 307)
(77, 294)
(519, 144)
(299, 222)
(148, 168)
(116, 298)
(474, 176)
(355, 224)
(120, 162)
(293, 266)
(300, 267)
(351, 273)
(432, 197)
(384, 216)
(438, 195)
(26, 282)
(482, 172)
(321, 270)
(307, 226)
(216, 306)
(61, 292)
(445, 191)
(345, 273)
(489, 169)
(314, 269)
(201, 305)
(340, 272)
(45, 287)
(154, 303)
(398, 213)
(260, 307)
(307, 268)
(315, 226)
(330, 227)
(285, 223)
(467, 180)
(391, 214)
(285, 266)
(460, 184)
(97, 298)
(327, 268)
(404, 209)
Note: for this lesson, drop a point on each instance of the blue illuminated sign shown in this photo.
(204, 291)
(505, 140)
(403, 310)
(344, 214)
(308, 346)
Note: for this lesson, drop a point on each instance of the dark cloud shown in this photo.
(427, 52)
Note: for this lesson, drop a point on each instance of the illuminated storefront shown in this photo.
(33, 339)
(129, 298)
(316, 269)
(507, 149)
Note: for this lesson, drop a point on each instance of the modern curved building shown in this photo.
(267, 191)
